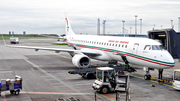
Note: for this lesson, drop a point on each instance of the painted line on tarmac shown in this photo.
(50, 75)
(151, 81)
(161, 86)
(109, 97)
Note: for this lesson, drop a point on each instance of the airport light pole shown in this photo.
(123, 26)
(172, 24)
(98, 27)
(104, 21)
(140, 26)
(130, 29)
(154, 27)
(161, 26)
(135, 24)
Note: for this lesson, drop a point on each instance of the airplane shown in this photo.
(139, 51)
(63, 36)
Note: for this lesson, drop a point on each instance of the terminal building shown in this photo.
(169, 38)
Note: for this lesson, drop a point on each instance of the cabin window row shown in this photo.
(102, 43)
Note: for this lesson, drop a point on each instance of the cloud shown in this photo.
(47, 16)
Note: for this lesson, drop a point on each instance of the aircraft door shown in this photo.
(135, 48)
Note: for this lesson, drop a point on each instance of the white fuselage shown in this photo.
(140, 51)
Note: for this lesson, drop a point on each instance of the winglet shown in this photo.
(4, 40)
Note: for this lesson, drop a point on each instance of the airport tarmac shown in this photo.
(46, 78)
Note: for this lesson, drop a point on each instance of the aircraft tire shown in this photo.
(149, 77)
(145, 77)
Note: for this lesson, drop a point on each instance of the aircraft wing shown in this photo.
(57, 50)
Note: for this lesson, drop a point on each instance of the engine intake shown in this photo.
(81, 61)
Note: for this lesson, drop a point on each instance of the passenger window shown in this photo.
(126, 46)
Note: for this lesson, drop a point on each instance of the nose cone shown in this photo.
(168, 60)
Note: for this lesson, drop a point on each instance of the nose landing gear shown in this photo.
(147, 76)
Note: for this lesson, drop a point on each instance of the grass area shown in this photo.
(60, 44)
(20, 36)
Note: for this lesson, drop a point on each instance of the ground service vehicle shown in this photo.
(14, 40)
(176, 79)
(14, 85)
(106, 80)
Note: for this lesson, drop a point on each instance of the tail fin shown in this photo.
(68, 29)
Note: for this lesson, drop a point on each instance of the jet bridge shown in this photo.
(169, 39)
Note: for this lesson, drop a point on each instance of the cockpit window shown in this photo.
(162, 47)
(155, 47)
(158, 47)
(147, 47)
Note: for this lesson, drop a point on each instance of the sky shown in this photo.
(48, 16)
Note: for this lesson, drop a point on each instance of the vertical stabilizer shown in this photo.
(68, 29)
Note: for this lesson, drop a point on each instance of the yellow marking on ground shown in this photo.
(152, 80)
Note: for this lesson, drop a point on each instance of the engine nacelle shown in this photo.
(81, 61)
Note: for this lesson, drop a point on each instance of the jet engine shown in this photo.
(81, 60)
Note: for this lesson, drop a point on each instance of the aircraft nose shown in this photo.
(169, 59)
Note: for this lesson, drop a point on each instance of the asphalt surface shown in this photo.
(46, 78)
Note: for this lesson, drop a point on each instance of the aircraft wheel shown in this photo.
(145, 77)
(149, 77)
(104, 90)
